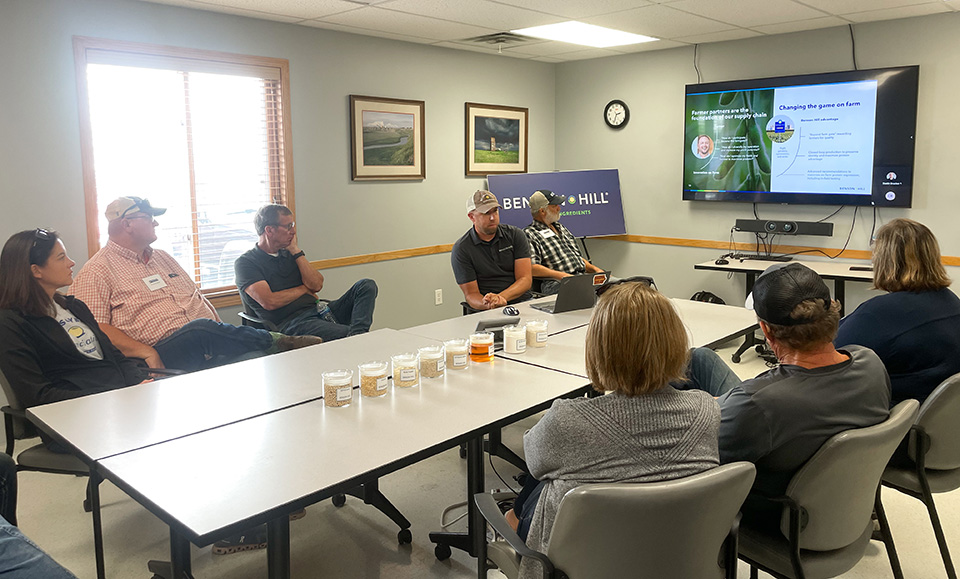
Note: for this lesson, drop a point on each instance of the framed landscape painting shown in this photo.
(387, 139)
(496, 139)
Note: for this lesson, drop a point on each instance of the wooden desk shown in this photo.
(839, 272)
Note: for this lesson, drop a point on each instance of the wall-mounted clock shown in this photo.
(616, 114)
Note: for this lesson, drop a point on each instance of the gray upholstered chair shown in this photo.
(933, 448)
(40, 459)
(826, 523)
(680, 528)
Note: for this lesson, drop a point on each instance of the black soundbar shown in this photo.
(779, 227)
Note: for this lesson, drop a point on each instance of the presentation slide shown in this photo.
(796, 139)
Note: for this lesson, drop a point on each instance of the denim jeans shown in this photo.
(709, 373)
(20, 558)
(350, 314)
(8, 490)
(205, 343)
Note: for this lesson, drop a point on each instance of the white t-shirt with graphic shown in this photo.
(81, 334)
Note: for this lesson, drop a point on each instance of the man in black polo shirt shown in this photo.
(278, 283)
(491, 262)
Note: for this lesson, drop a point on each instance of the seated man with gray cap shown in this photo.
(779, 419)
(491, 262)
(150, 307)
(555, 254)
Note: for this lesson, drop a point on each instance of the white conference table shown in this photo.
(158, 411)
(838, 271)
(463, 326)
(206, 495)
(209, 495)
(708, 325)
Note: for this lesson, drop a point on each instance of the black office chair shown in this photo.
(39, 458)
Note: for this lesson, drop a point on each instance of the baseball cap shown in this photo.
(482, 201)
(123, 206)
(781, 288)
(542, 198)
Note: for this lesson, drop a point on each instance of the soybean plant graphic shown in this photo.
(736, 121)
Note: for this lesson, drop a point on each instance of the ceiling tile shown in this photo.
(718, 36)
(748, 13)
(551, 48)
(365, 32)
(225, 10)
(302, 9)
(576, 8)
(373, 18)
(586, 54)
(839, 7)
(475, 12)
(894, 13)
(549, 59)
(800, 25)
(660, 22)
(647, 46)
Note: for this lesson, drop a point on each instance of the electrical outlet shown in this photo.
(438, 297)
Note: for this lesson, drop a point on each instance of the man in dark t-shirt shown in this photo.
(491, 262)
(780, 419)
(277, 282)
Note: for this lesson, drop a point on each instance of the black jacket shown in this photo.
(43, 365)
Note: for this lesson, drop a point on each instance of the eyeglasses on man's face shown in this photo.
(288, 226)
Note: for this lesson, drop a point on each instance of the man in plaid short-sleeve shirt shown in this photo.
(150, 307)
(555, 254)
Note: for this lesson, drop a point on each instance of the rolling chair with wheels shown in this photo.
(934, 451)
(673, 528)
(826, 526)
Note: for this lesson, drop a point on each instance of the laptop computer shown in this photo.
(576, 292)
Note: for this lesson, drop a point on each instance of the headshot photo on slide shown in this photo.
(702, 146)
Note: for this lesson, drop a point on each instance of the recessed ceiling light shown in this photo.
(584, 34)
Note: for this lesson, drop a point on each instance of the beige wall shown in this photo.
(40, 178)
(648, 151)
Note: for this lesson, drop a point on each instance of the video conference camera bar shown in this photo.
(778, 227)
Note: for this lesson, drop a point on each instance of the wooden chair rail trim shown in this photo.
(229, 297)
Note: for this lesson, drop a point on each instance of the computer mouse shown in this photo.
(511, 311)
(721, 261)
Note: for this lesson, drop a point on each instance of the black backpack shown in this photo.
(709, 297)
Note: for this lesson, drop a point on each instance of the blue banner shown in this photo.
(593, 206)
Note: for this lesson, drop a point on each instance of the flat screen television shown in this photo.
(838, 138)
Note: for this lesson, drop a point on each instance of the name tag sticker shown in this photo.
(547, 234)
(154, 282)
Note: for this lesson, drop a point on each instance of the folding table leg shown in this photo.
(474, 541)
(93, 495)
(278, 548)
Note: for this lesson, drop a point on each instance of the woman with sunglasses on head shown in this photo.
(915, 327)
(643, 430)
(53, 349)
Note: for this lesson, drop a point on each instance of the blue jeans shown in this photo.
(8, 489)
(20, 558)
(205, 343)
(350, 314)
(709, 373)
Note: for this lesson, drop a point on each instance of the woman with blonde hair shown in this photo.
(915, 328)
(644, 429)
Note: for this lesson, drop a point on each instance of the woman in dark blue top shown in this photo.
(915, 328)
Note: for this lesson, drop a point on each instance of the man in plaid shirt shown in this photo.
(151, 308)
(555, 254)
